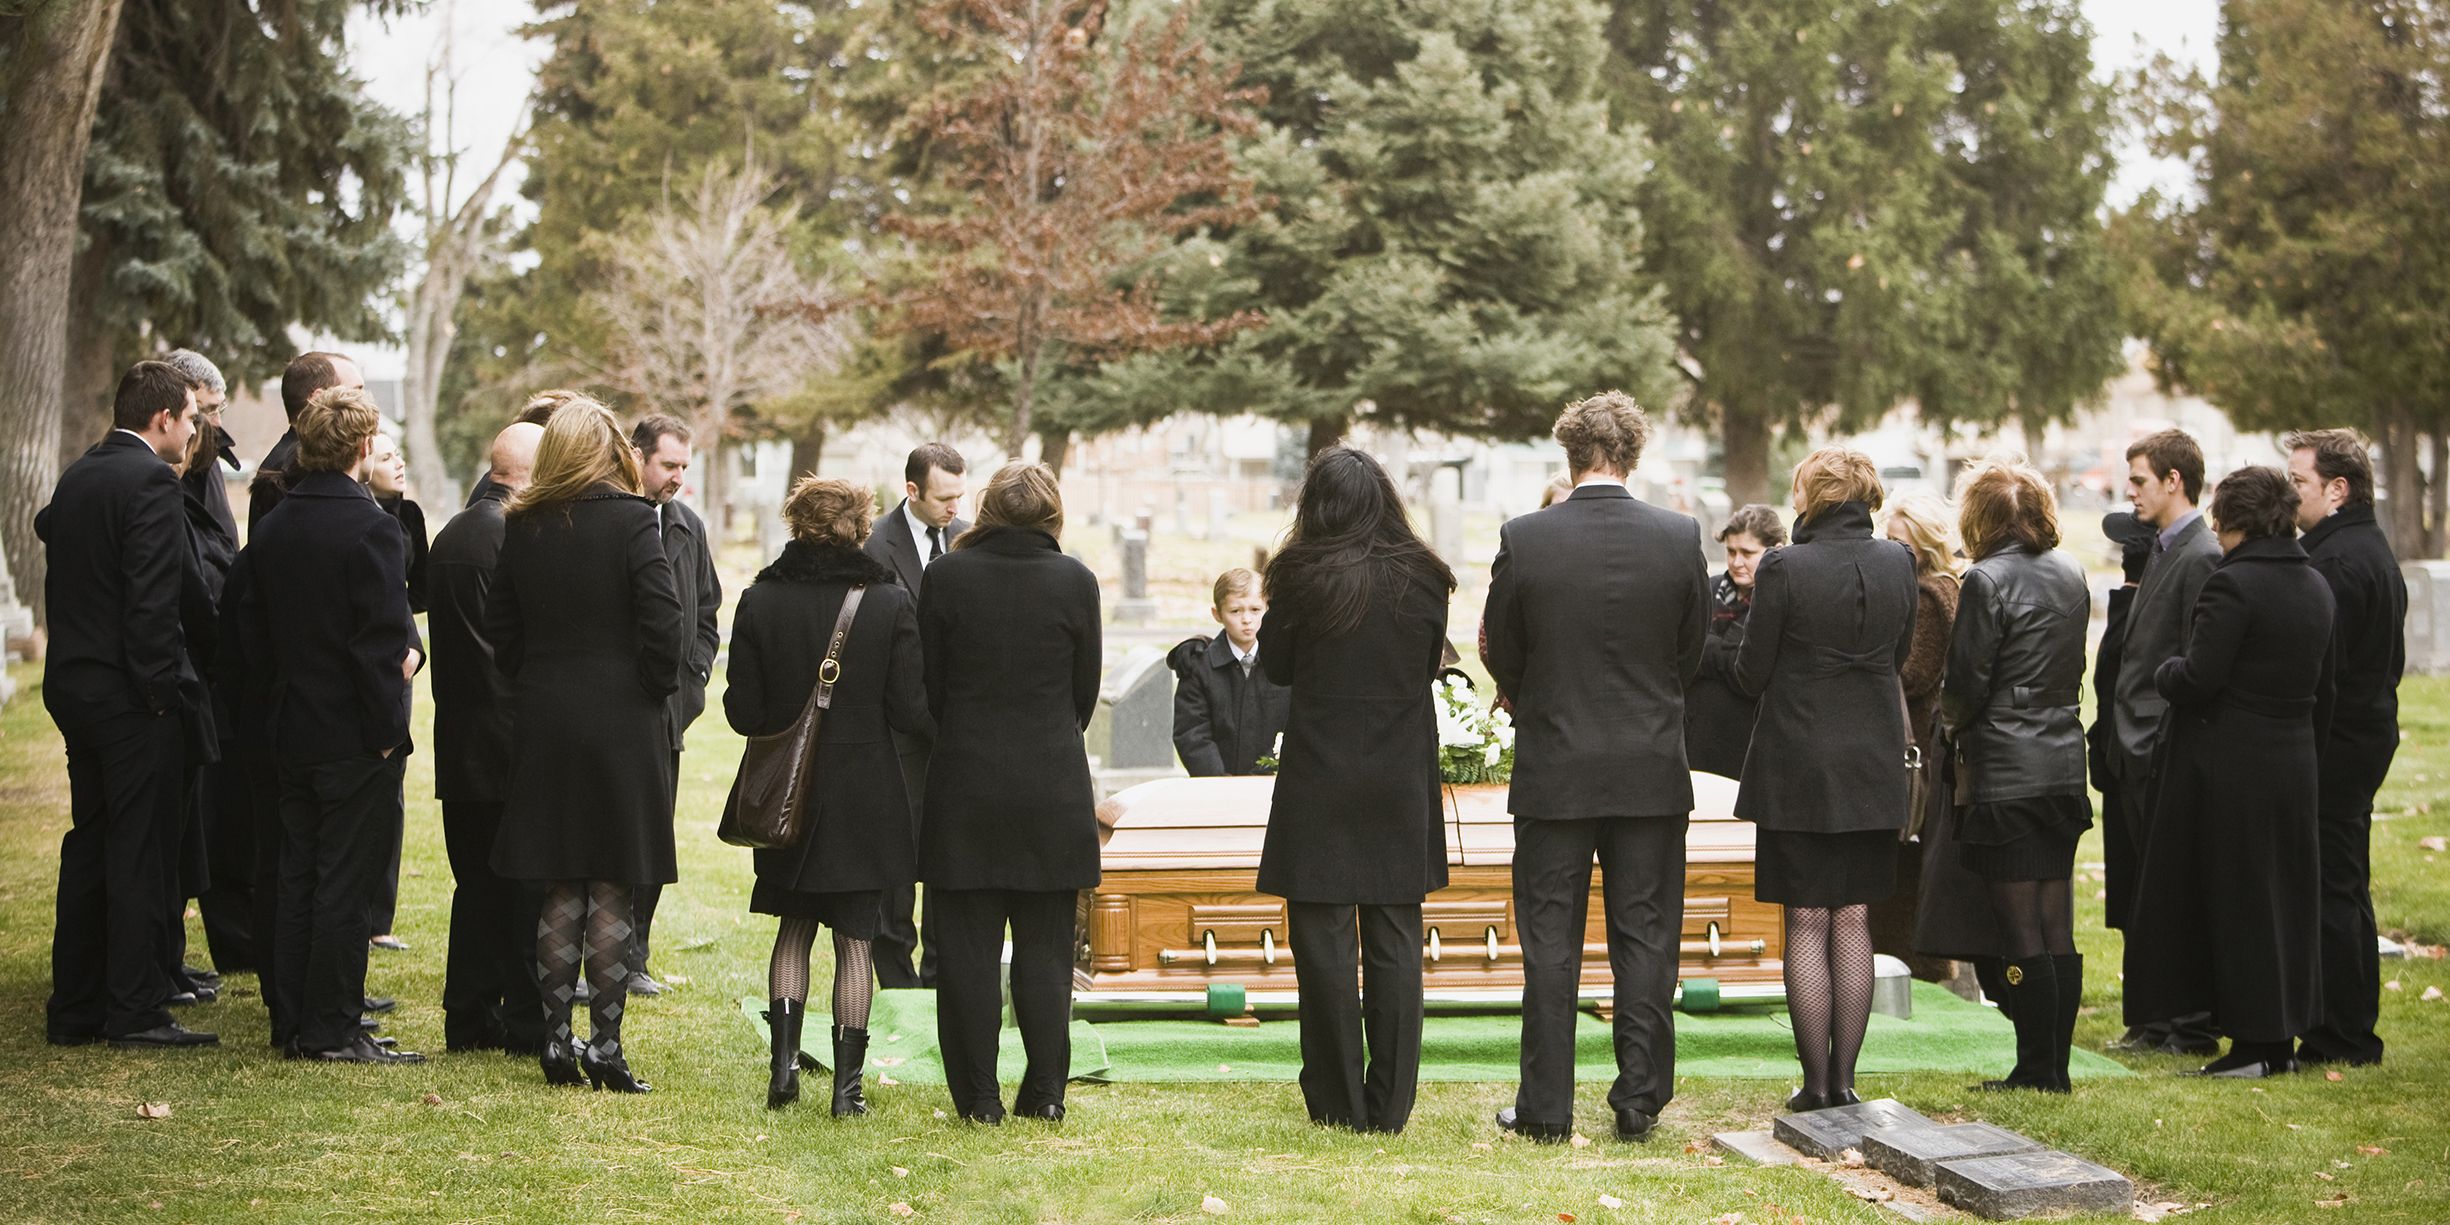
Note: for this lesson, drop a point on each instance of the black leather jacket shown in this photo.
(2015, 663)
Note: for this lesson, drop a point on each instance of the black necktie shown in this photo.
(935, 543)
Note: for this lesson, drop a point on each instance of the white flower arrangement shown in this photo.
(1475, 742)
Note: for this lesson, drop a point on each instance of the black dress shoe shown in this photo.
(1634, 1125)
(611, 1072)
(380, 1003)
(2191, 1047)
(201, 977)
(985, 1120)
(76, 1038)
(2252, 1062)
(182, 999)
(365, 1050)
(167, 1034)
(1806, 1103)
(642, 983)
(1544, 1133)
(1050, 1112)
(1845, 1097)
(2140, 1038)
(369, 1024)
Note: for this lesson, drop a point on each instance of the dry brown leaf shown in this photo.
(898, 1208)
(2372, 1150)
(1852, 1158)
(432, 1099)
(1873, 1195)
(1213, 1206)
(1713, 1159)
(2333, 1075)
(1581, 1141)
(1566, 1217)
(153, 1110)
(887, 1061)
(2435, 843)
(2326, 1176)
(2336, 1200)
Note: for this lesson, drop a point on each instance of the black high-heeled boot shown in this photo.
(783, 1018)
(611, 1071)
(560, 1066)
(2069, 969)
(850, 1060)
(2033, 985)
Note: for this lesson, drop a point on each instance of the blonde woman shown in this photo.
(584, 621)
(1926, 524)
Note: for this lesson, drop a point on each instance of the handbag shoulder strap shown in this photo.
(822, 697)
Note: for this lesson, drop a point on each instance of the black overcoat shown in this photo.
(859, 834)
(116, 561)
(1225, 719)
(271, 479)
(1011, 633)
(1358, 817)
(2227, 913)
(1717, 716)
(472, 698)
(1597, 611)
(2349, 551)
(1832, 620)
(701, 596)
(583, 620)
(420, 547)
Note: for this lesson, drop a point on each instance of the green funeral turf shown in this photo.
(1946, 1034)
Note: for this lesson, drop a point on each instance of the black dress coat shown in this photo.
(701, 596)
(420, 548)
(1225, 719)
(325, 605)
(208, 510)
(472, 698)
(1718, 717)
(583, 620)
(2349, 551)
(1597, 611)
(116, 547)
(2227, 913)
(1832, 620)
(890, 542)
(1011, 633)
(1358, 818)
(271, 479)
(859, 836)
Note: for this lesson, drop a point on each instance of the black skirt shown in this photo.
(1794, 868)
(2025, 839)
(853, 914)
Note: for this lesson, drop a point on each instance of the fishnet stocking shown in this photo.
(854, 981)
(1807, 992)
(2034, 917)
(787, 969)
(1850, 972)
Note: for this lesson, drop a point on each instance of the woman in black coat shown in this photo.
(2228, 906)
(1356, 627)
(2015, 675)
(1718, 718)
(585, 624)
(1825, 780)
(1010, 630)
(858, 839)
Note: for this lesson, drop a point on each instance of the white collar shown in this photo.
(918, 533)
(1241, 656)
(1600, 479)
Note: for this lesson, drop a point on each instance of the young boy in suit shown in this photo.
(1227, 713)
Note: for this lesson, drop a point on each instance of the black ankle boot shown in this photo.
(607, 1068)
(560, 1066)
(2068, 969)
(850, 1060)
(783, 1020)
(2033, 984)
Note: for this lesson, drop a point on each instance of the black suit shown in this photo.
(1226, 716)
(117, 681)
(2368, 641)
(691, 552)
(897, 938)
(1597, 613)
(326, 606)
(223, 816)
(488, 991)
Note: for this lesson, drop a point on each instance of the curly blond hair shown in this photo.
(1922, 522)
(1603, 433)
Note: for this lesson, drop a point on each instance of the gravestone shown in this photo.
(1135, 608)
(1908, 1154)
(1757, 1147)
(2020, 1185)
(1827, 1133)
(1140, 697)
(1892, 988)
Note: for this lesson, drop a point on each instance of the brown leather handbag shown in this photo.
(768, 809)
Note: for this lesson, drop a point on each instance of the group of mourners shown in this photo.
(2247, 715)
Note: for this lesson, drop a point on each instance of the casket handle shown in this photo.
(1433, 944)
(1207, 941)
(1492, 934)
(1267, 944)
(1712, 932)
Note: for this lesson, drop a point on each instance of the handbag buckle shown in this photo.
(829, 672)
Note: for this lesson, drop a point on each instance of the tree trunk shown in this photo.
(1326, 432)
(2437, 496)
(2402, 483)
(807, 450)
(1054, 447)
(94, 357)
(1745, 437)
(54, 78)
(429, 345)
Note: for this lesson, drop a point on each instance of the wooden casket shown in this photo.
(1178, 921)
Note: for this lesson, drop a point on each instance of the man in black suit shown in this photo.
(118, 682)
(323, 585)
(910, 538)
(2334, 480)
(489, 995)
(663, 458)
(1597, 612)
(306, 374)
(220, 820)
(2165, 477)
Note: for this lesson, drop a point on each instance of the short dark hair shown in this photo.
(928, 455)
(2257, 502)
(1605, 432)
(147, 390)
(2006, 503)
(2173, 451)
(1757, 521)
(650, 430)
(2339, 455)
(306, 374)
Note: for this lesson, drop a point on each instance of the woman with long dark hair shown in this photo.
(1356, 627)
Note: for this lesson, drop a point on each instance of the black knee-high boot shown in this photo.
(783, 1018)
(850, 1060)
(2069, 971)
(2033, 985)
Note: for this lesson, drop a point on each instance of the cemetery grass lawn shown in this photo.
(476, 1137)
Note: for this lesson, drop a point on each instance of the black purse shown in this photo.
(768, 808)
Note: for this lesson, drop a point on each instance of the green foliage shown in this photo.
(1453, 244)
(239, 182)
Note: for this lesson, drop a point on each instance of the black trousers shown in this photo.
(263, 800)
(1641, 863)
(383, 911)
(489, 993)
(969, 926)
(645, 896)
(125, 777)
(224, 811)
(335, 819)
(1339, 1016)
(2135, 797)
(2122, 856)
(2351, 960)
(898, 940)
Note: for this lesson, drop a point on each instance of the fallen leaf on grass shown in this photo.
(1213, 1206)
(2435, 843)
(1566, 1217)
(1851, 1158)
(2392, 985)
(1713, 1159)
(900, 1172)
(2326, 1176)
(1482, 1146)
(153, 1110)
(2333, 1074)
(2372, 1150)
(2430, 994)
(1580, 1141)
(1609, 1201)
(432, 1099)
(2337, 1200)
(1873, 1195)
(898, 1208)
(1728, 1218)
(883, 1079)
(888, 1061)
(2159, 1211)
